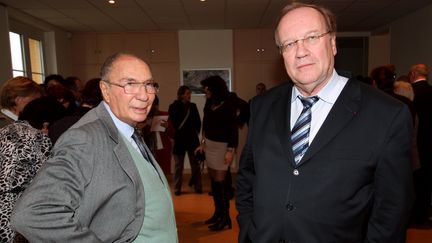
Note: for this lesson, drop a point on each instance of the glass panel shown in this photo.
(36, 62)
(16, 51)
(17, 73)
(38, 78)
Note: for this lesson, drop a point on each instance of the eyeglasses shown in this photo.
(308, 41)
(134, 87)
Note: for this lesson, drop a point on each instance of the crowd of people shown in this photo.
(328, 158)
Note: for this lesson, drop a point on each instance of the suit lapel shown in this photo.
(120, 150)
(281, 115)
(345, 108)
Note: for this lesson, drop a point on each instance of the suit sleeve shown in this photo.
(393, 191)
(45, 212)
(245, 181)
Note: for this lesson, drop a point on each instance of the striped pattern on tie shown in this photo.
(300, 131)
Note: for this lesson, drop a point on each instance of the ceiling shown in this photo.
(145, 15)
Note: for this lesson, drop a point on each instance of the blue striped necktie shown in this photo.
(300, 131)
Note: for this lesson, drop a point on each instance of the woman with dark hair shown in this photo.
(220, 139)
(64, 96)
(187, 125)
(24, 146)
(91, 96)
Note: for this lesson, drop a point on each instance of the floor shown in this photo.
(193, 209)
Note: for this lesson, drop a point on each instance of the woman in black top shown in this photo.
(220, 139)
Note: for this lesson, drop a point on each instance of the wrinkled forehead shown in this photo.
(131, 68)
(300, 21)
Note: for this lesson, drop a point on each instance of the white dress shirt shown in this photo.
(327, 97)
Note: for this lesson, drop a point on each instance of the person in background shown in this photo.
(91, 96)
(158, 132)
(242, 119)
(403, 87)
(24, 147)
(75, 85)
(423, 179)
(384, 79)
(64, 96)
(260, 88)
(52, 80)
(15, 94)
(102, 183)
(186, 122)
(219, 141)
(327, 158)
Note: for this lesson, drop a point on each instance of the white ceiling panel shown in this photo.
(44, 13)
(142, 15)
(56, 4)
(24, 4)
(212, 7)
(70, 24)
(103, 4)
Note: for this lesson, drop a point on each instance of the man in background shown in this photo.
(423, 177)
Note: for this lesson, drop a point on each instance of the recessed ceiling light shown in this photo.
(111, 1)
(202, 0)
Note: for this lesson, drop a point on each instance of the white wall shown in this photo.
(379, 51)
(205, 49)
(411, 40)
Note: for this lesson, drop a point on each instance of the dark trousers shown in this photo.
(422, 185)
(195, 179)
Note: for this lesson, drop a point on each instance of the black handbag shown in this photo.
(200, 158)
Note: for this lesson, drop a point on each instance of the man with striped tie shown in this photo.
(327, 159)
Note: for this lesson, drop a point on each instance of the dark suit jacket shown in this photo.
(423, 106)
(352, 185)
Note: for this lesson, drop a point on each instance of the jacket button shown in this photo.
(296, 172)
(289, 207)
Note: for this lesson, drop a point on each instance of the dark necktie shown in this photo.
(141, 145)
(142, 148)
(300, 131)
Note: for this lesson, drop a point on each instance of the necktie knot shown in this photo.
(140, 143)
(308, 102)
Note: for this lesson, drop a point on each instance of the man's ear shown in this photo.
(105, 91)
(333, 44)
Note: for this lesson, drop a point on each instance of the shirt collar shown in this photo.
(9, 114)
(329, 92)
(420, 79)
(123, 127)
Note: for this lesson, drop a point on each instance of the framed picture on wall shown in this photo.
(192, 78)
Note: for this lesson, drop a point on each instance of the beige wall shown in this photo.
(56, 44)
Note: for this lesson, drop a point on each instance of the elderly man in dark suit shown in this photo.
(102, 184)
(423, 177)
(326, 159)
